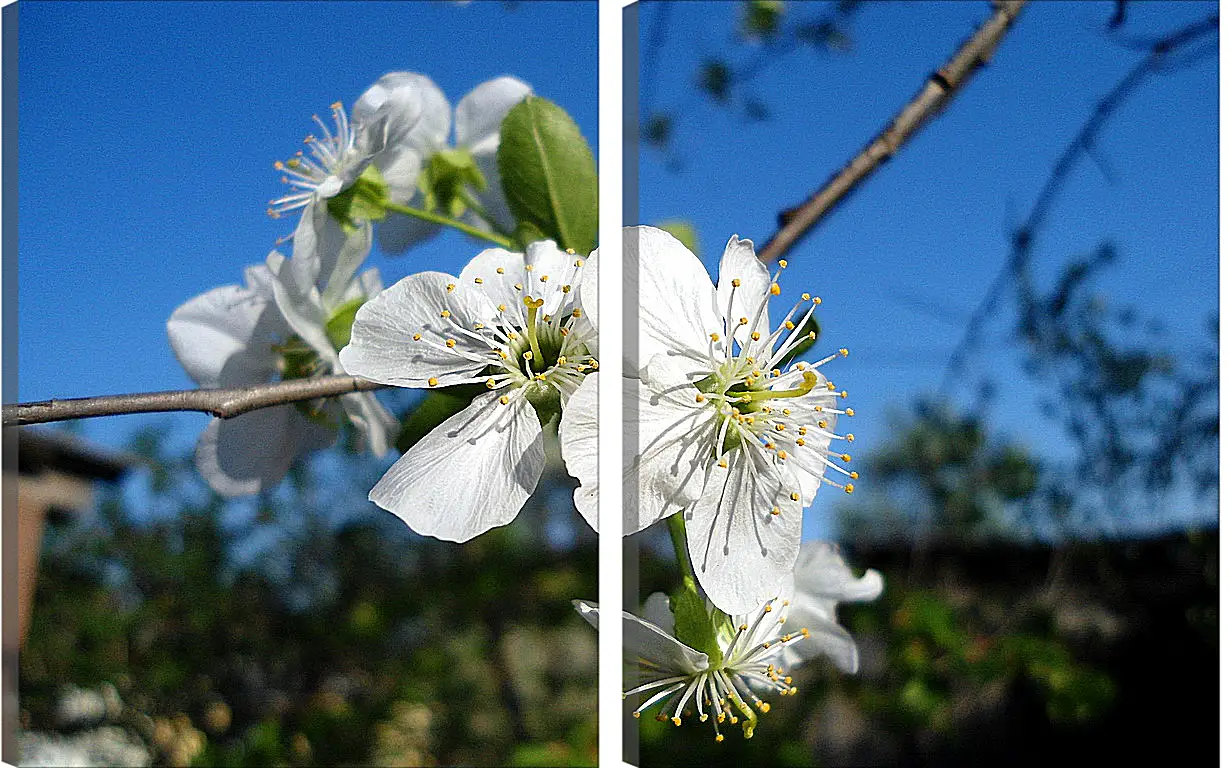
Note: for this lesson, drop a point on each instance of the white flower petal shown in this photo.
(472, 473)
(410, 112)
(643, 640)
(382, 346)
(657, 611)
(375, 424)
(674, 293)
(492, 199)
(252, 452)
(499, 286)
(225, 337)
(298, 299)
(483, 109)
(578, 445)
(676, 440)
(739, 263)
(328, 255)
(827, 638)
(823, 573)
(743, 555)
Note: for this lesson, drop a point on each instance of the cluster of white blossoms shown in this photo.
(287, 322)
(394, 146)
(754, 651)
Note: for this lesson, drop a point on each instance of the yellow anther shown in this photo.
(636, 715)
(502, 354)
(817, 301)
(789, 325)
(479, 326)
(782, 455)
(782, 263)
(846, 457)
(699, 398)
(844, 393)
(800, 366)
(776, 510)
(418, 337)
(849, 411)
(723, 464)
(519, 286)
(742, 321)
(562, 360)
(768, 608)
(544, 278)
(779, 427)
(843, 352)
(490, 384)
(499, 270)
(854, 475)
(811, 336)
(849, 488)
(776, 371)
(676, 720)
(431, 382)
(765, 706)
(849, 437)
(566, 289)
(802, 430)
(563, 331)
(578, 262)
(770, 446)
(719, 737)
(755, 335)
(795, 496)
(736, 282)
(570, 251)
(831, 387)
(800, 442)
(502, 307)
(478, 280)
(503, 400)
(576, 313)
(785, 411)
(445, 313)
(714, 337)
(774, 289)
(450, 343)
(806, 297)
(804, 632)
(450, 287)
(528, 267)
(528, 355)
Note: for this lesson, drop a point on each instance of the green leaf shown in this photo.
(342, 320)
(692, 623)
(548, 174)
(685, 233)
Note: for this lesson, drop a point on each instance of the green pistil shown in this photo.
(531, 329)
(809, 380)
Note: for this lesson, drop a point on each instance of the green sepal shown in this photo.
(693, 623)
(338, 326)
(444, 179)
(548, 174)
(364, 200)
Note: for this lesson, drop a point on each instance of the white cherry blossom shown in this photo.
(510, 322)
(730, 428)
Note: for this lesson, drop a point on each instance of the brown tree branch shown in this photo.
(222, 403)
(935, 94)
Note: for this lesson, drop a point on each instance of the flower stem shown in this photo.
(678, 537)
(436, 218)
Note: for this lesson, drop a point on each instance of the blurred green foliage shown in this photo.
(297, 631)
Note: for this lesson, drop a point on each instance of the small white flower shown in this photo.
(682, 680)
(510, 321)
(756, 649)
(276, 326)
(738, 443)
(821, 580)
(397, 126)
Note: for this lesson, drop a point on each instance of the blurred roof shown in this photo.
(43, 450)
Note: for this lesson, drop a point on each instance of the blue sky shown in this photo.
(902, 264)
(146, 139)
(147, 133)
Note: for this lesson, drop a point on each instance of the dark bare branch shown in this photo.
(223, 403)
(935, 94)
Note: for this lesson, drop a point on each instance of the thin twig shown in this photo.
(1024, 236)
(935, 94)
(222, 403)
